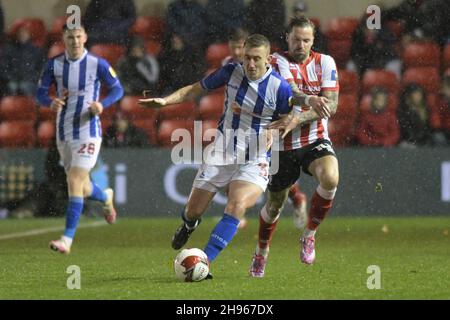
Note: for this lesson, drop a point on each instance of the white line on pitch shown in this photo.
(36, 232)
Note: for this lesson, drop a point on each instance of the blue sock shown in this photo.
(97, 193)
(73, 214)
(222, 234)
(189, 223)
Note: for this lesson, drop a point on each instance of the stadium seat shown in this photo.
(421, 54)
(380, 78)
(46, 114)
(427, 77)
(110, 52)
(45, 134)
(396, 27)
(340, 50)
(341, 28)
(446, 57)
(130, 107)
(211, 106)
(35, 26)
(17, 134)
(150, 128)
(56, 49)
(18, 108)
(186, 110)
(108, 113)
(153, 47)
(167, 127)
(105, 123)
(366, 101)
(341, 126)
(149, 28)
(215, 54)
(348, 82)
(55, 34)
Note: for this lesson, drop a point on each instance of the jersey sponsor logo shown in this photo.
(334, 75)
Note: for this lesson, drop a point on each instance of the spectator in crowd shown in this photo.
(320, 42)
(374, 49)
(414, 117)
(122, 133)
(20, 64)
(187, 19)
(138, 70)
(223, 17)
(378, 125)
(267, 17)
(180, 65)
(440, 116)
(236, 41)
(109, 21)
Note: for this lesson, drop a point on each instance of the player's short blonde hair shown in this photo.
(257, 40)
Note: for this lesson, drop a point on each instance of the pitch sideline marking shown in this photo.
(36, 232)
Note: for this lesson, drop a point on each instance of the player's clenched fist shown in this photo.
(57, 104)
(96, 108)
(153, 102)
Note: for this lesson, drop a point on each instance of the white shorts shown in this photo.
(212, 178)
(80, 154)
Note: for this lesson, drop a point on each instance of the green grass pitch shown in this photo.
(133, 260)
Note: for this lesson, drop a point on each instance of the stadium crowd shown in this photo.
(394, 81)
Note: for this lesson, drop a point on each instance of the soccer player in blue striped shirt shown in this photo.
(78, 76)
(255, 96)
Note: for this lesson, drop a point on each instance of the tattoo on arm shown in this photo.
(299, 97)
(333, 97)
(311, 115)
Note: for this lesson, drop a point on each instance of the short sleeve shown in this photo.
(281, 64)
(218, 78)
(284, 95)
(329, 74)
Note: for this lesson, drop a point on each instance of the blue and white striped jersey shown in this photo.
(249, 107)
(82, 80)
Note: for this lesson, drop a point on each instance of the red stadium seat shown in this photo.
(380, 78)
(427, 77)
(366, 101)
(149, 28)
(55, 34)
(421, 54)
(341, 28)
(150, 128)
(167, 127)
(108, 113)
(46, 133)
(153, 47)
(180, 111)
(340, 50)
(56, 49)
(341, 126)
(18, 108)
(446, 57)
(211, 106)
(215, 54)
(46, 114)
(130, 107)
(17, 134)
(396, 27)
(35, 26)
(348, 82)
(110, 52)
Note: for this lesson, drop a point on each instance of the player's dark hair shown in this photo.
(238, 34)
(257, 40)
(301, 22)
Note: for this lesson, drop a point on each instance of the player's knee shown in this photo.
(329, 179)
(236, 207)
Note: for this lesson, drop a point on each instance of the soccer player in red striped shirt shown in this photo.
(305, 144)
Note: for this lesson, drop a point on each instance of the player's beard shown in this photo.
(299, 57)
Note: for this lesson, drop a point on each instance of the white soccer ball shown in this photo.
(191, 265)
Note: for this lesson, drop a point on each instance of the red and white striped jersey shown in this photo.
(317, 74)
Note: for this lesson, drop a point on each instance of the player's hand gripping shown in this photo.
(285, 124)
(319, 104)
(96, 108)
(153, 102)
(58, 103)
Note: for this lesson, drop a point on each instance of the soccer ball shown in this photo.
(191, 265)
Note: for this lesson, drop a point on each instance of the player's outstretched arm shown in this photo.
(187, 93)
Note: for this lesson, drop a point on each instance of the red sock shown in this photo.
(295, 189)
(318, 211)
(266, 231)
(296, 195)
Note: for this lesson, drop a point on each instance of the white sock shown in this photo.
(67, 240)
(262, 252)
(308, 233)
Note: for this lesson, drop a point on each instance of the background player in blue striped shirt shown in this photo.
(255, 96)
(78, 76)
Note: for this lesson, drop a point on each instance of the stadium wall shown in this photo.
(381, 182)
(49, 9)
